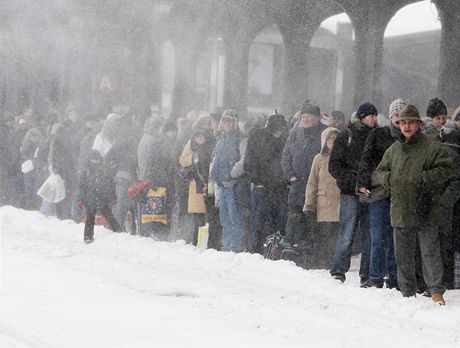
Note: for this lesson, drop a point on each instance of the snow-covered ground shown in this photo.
(127, 291)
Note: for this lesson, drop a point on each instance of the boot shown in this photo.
(438, 298)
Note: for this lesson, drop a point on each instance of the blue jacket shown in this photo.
(228, 158)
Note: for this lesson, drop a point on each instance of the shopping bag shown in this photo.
(203, 236)
(153, 208)
(53, 189)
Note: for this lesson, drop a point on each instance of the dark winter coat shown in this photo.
(195, 160)
(378, 141)
(452, 193)
(123, 155)
(64, 151)
(262, 162)
(97, 186)
(346, 155)
(301, 148)
(410, 167)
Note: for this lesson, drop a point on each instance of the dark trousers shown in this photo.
(91, 217)
(215, 230)
(447, 248)
(296, 226)
(405, 240)
(269, 214)
(198, 220)
(325, 238)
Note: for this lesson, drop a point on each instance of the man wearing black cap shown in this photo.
(437, 111)
(303, 144)
(343, 166)
(262, 163)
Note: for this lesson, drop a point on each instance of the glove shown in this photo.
(310, 215)
(132, 191)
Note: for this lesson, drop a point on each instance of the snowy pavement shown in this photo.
(127, 291)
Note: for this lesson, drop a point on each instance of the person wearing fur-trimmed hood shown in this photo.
(226, 170)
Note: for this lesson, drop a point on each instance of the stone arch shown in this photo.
(411, 60)
(331, 54)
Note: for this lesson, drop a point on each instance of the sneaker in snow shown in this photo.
(340, 277)
(89, 240)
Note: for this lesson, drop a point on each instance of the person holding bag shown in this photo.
(382, 260)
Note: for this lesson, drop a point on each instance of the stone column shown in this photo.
(449, 62)
(369, 20)
(184, 91)
(368, 51)
(236, 73)
(295, 82)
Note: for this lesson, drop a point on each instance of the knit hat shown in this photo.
(436, 107)
(337, 114)
(395, 107)
(409, 112)
(276, 122)
(366, 109)
(311, 108)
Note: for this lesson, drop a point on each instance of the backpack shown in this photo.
(278, 247)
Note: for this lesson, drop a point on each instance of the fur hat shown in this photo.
(450, 132)
(395, 107)
(311, 108)
(436, 107)
(229, 114)
(409, 112)
(429, 129)
(366, 109)
(456, 114)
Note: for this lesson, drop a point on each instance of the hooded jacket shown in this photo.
(322, 194)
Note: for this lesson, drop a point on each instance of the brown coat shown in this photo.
(195, 200)
(322, 194)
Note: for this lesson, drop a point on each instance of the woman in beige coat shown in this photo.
(322, 198)
(196, 159)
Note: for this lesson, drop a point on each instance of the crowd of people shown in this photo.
(394, 181)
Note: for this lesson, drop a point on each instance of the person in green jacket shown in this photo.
(416, 169)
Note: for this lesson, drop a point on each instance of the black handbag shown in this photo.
(376, 193)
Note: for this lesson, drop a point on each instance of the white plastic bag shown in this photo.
(53, 189)
(27, 166)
